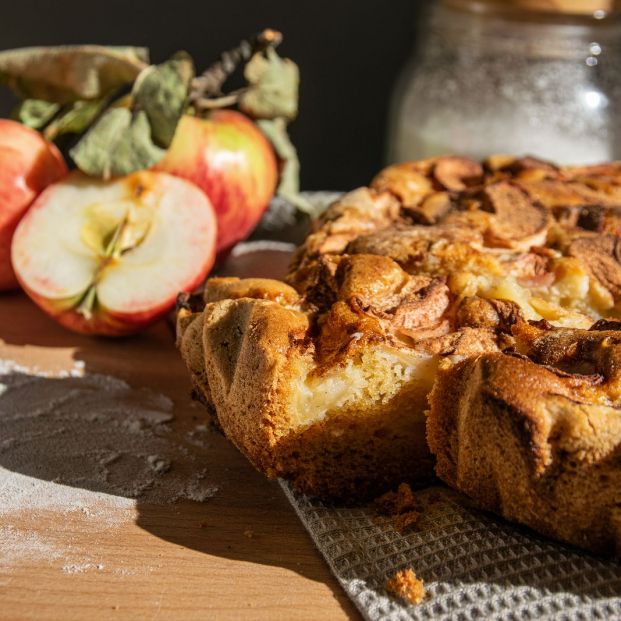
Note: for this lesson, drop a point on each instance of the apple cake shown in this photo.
(443, 277)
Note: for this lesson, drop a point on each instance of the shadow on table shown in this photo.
(247, 519)
(243, 517)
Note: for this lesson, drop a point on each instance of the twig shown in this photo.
(206, 92)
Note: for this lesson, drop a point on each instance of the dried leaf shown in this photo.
(127, 139)
(273, 87)
(65, 74)
(76, 119)
(36, 113)
(118, 144)
(162, 91)
(289, 186)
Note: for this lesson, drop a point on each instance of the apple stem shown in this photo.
(206, 92)
(219, 102)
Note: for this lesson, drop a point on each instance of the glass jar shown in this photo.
(502, 77)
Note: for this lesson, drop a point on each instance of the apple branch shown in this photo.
(206, 92)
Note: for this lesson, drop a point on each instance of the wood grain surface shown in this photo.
(240, 555)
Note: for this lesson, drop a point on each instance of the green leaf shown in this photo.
(36, 113)
(162, 91)
(289, 186)
(65, 74)
(118, 144)
(273, 87)
(76, 119)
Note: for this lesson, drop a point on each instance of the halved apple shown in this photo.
(110, 257)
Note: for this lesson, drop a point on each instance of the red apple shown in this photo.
(229, 158)
(109, 257)
(28, 164)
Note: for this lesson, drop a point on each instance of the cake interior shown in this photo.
(369, 380)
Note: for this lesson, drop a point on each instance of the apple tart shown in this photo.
(443, 277)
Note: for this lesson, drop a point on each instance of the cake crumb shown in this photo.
(396, 503)
(405, 520)
(406, 585)
(248, 533)
(400, 504)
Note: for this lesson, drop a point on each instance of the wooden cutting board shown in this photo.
(241, 554)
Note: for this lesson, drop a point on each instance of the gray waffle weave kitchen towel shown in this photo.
(474, 566)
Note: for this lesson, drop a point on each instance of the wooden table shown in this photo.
(240, 555)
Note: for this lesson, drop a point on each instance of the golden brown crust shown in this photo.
(250, 353)
(257, 288)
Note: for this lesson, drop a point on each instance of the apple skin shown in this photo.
(28, 164)
(229, 158)
(105, 321)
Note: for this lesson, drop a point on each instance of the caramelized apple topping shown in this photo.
(356, 213)
(411, 246)
(558, 193)
(498, 162)
(517, 219)
(526, 167)
(455, 174)
(601, 256)
(405, 181)
(432, 209)
(377, 286)
(593, 356)
(594, 218)
(477, 312)
(371, 296)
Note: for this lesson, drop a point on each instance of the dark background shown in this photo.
(349, 53)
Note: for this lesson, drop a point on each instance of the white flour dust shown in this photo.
(80, 568)
(19, 546)
(11, 366)
(89, 447)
